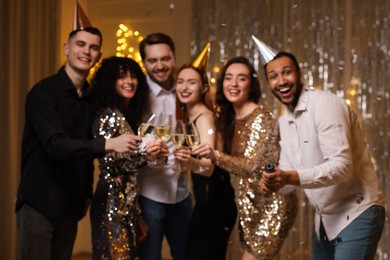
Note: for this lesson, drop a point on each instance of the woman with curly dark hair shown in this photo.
(135, 108)
(121, 93)
(250, 139)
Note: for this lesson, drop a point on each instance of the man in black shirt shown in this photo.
(58, 152)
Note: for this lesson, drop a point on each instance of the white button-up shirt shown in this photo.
(323, 142)
(162, 184)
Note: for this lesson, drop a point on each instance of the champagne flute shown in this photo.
(163, 130)
(147, 128)
(193, 139)
(178, 139)
(164, 127)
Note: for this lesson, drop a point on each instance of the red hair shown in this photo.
(207, 99)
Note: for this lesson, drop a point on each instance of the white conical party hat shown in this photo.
(266, 52)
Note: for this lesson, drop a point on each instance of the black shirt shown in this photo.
(57, 148)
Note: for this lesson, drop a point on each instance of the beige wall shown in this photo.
(28, 40)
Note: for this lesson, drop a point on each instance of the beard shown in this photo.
(291, 103)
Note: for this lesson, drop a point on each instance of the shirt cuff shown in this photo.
(305, 176)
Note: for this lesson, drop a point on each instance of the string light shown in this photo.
(127, 43)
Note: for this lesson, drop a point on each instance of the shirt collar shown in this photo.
(68, 84)
(301, 105)
(303, 100)
(156, 89)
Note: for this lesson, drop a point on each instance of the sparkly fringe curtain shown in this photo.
(342, 46)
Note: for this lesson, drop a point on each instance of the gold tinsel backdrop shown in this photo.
(342, 46)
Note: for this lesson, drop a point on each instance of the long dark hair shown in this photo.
(104, 90)
(181, 111)
(226, 114)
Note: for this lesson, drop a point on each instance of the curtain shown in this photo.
(342, 47)
(28, 49)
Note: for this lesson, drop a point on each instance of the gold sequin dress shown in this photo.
(263, 222)
(115, 209)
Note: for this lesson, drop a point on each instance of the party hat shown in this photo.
(80, 19)
(202, 59)
(266, 52)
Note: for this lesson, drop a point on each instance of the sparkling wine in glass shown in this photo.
(164, 127)
(163, 130)
(178, 139)
(178, 133)
(193, 139)
(147, 128)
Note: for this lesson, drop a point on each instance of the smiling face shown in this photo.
(189, 86)
(126, 85)
(284, 80)
(83, 51)
(237, 84)
(159, 63)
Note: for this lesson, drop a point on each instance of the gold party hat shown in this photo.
(202, 59)
(266, 52)
(80, 19)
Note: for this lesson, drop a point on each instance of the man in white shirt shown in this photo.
(323, 151)
(164, 196)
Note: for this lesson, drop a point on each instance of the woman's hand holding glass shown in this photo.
(193, 140)
(163, 130)
(156, 149)
(125, 143)
(182, 153)
(204, 151)
(164, 127)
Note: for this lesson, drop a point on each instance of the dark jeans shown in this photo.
(44, 239)
(358, 241)
(171, 220)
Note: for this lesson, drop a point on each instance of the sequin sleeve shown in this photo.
(111, 124)
(264, 221)
(256, 143)
(116, 197)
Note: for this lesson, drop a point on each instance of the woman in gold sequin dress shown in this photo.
(121, 92)
(250, 140)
